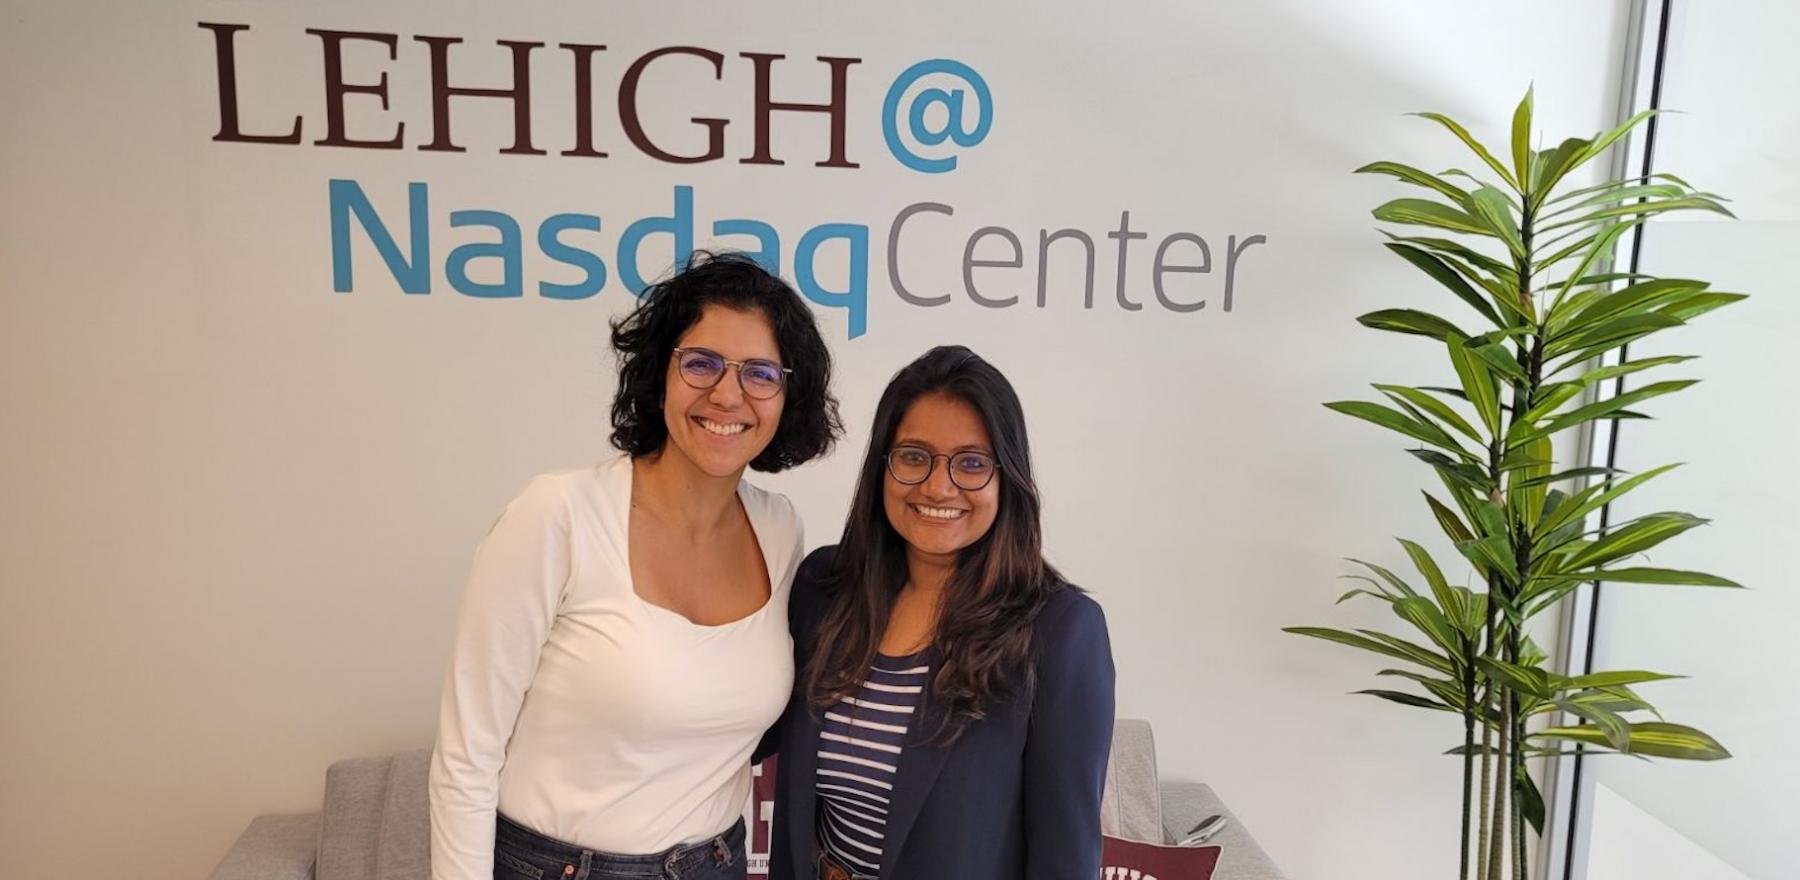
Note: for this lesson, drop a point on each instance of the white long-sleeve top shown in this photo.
(585, 713)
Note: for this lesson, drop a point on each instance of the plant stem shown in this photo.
(1481, 827)
(1496, 837)
(1468, 781)
(1506, 823)
(1524, 394)
(1521, 831)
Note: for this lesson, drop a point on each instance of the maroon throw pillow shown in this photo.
(1122, 859)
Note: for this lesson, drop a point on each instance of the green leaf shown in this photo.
(1612, 404)
(1440, 588)
(1654, 739)
(1420, 212)
(1614, 184)
(1393, 580)
(1643, 209)
(1406, 699)
(1470, 141)
(1521, 143)
(1699, 304)
(1492, 553)
(1449, 692)
(1636, 298)
(1625, 192)
(1531, 801)
(1421, 655)
(1592, 498)
(1525, 492)
(1462, 493)
(1367, 644)
(1612, 728)
(1521, 459)
(1558, 162)
(1411, 321)
(1361, 592)
(1607, 239)
(1534, 168)
(1426, 618)
(1415, 176)
(1475, 607)
(1629, 367)
(1602, 248)
(1499, 360)
(1640, 535)
(1448, 520)
(1602, 141)
(1531, 654)
(1562, 310)
(1458, 172)
(1606, 278)
(1666, 576)
(1525, 680)
(1616, 699)
(1610, 334)
(1491, 207)
(1492, 518)
(1550, 399)
(1570, 474)
(1435, 407)
(1444, 273)
(1553, 499)
(1462, 258)
(1400, 422)
(1614, 679)
(1477, 383)
(1466, 475)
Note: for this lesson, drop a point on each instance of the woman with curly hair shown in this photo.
(623, 637)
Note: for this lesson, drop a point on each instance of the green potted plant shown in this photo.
(1529, 261)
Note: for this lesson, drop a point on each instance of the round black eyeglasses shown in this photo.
(970, 471)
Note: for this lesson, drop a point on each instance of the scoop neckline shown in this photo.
(630, 476)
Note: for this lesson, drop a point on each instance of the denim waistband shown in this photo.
(675, 862)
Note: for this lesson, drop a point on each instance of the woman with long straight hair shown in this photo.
(954, 706)
(623, 638)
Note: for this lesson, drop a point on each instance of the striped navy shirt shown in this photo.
(859, 747)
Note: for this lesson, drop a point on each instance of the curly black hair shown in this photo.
(645, 340)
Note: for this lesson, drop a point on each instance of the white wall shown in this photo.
(1638, 846)
(235, 507)
(1729, 71)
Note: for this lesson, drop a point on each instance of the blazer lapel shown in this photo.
(803, 792)
(915, 774)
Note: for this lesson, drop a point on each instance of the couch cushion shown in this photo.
(377, 822)
(405, 852)
(1131, 805)
(350, 833)
(1241, 858)
(273, 848)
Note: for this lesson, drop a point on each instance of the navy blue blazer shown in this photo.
(1017, 796)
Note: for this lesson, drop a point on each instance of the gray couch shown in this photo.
(375, 826)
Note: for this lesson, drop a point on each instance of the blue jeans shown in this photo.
(523, 854)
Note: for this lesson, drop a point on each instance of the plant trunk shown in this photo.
(1497, 835)
(1531, 362)
(1468, 779)
(1521, 831)
(1517, 813)
(1481, 826)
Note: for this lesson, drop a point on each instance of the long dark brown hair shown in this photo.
(999, 583)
